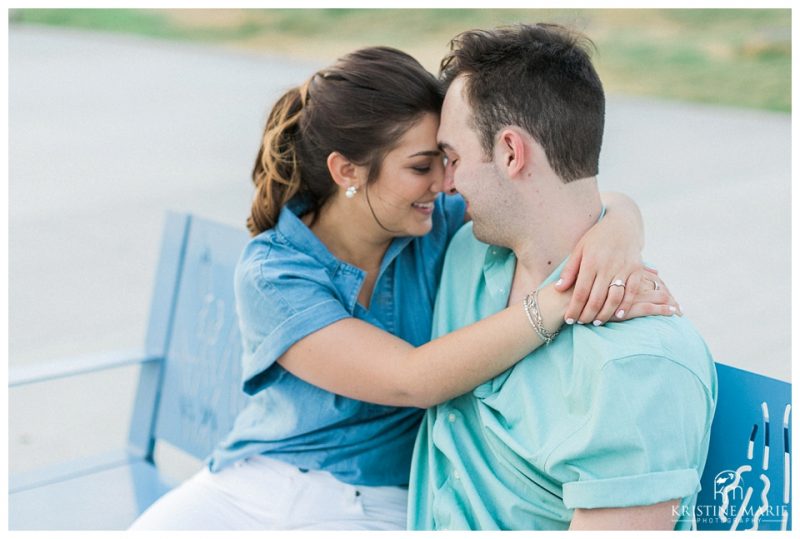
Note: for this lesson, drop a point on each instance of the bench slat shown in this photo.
(72, 366)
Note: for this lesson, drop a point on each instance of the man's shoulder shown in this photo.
(666, 339)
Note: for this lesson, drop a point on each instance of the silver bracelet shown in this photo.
(531, 307)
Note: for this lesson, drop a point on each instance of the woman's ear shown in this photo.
(343, 171)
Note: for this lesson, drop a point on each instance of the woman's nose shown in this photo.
(438, 184)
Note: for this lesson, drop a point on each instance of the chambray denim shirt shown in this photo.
(288, 285)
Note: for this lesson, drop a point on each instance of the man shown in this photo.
(607, 426)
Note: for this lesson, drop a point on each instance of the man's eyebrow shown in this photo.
(427, 153)
(444, 146)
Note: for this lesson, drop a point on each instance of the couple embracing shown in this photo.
(445, 324)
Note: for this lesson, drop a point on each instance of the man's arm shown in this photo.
(644, 517)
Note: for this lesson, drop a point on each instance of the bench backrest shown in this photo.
(749, 461)
(196, 391)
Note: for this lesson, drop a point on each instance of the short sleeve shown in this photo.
(277, 307)
(644, 438)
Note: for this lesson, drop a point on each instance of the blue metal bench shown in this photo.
(189, 394)
(749, 459)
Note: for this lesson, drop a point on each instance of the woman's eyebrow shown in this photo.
(427, 153)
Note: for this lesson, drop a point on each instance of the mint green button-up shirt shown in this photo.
(611, 416)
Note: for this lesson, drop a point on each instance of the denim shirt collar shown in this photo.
(295, 232)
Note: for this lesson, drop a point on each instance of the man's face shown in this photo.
(466, 169)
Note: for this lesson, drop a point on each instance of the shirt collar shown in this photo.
(295, 232)
(300, 236)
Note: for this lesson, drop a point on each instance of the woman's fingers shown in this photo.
(654, 290)
(631, 289)
(613, 300)
(570, 271)
(598, 296)
(650, 309)
(580, 296)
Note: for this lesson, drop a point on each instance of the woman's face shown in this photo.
(410, 178)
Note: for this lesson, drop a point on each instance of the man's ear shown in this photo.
(511, 152)
(343, 171)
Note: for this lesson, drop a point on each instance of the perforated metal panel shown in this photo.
(746, 482)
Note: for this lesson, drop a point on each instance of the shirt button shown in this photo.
(451, 418)
(457, 476)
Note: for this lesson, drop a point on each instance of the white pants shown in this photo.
(260, 493)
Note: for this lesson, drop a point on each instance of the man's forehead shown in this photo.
(455, 112)
(443, 137)
(455, 92)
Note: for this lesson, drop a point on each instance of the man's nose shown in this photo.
(449, 184)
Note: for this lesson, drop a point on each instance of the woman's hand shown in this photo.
(649, 296)
(608, 252)
(643, 293)
(607, 255)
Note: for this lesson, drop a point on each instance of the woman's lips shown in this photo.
(423, 207)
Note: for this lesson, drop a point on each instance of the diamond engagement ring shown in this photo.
(617, 282)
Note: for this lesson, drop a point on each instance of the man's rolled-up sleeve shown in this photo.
(643, 439)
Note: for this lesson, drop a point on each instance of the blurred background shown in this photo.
(738, 57)
(116, 116)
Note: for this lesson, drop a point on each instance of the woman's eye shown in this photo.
(422, 170)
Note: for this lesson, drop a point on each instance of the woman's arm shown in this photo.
(610, 250)
(358, 360)
(355, 359)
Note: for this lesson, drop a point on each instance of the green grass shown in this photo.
(736, 57)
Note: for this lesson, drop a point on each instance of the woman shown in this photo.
(335, 296)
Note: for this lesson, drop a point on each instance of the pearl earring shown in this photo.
(351, 191)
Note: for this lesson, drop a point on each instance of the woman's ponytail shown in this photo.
(276, 173)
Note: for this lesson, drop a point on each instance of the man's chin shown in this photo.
(479, 231)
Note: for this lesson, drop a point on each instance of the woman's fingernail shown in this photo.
(570, 321)
(597, 323)
(558, 283)
(581, 323)
(620, 313)
(672, 308)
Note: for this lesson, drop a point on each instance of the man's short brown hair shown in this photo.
(538, 77)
